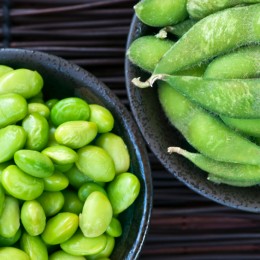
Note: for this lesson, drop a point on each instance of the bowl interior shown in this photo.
(64, 79)
(159, 134)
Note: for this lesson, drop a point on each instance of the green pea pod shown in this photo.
(61, 154)
(96, 215)
(96, 163)
(72, 202)
(20, 184)
(13, 253)
(117, 149)
(51, 201)
(115, 228)
(80, 245)
(76, 134)
(34, 247)
(158, 14)
(60, 228)
(37, 130)
(123, 191)
(199, 9)
(12, 138)
(204, 132)
(56, 182)
(10, 218)
(33, 217)
(212, 36)
(34, 163)
(61, 255)
(25, 82)
(239, 98)
(102, 117)
(4, 241)
(39, 108)
(69, 109)
(13, 108)
(87, 188)
(4, 69)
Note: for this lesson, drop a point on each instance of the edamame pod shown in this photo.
(158, 14)
(7, 253)
(20, 184)
(61, 255)
(25, 82)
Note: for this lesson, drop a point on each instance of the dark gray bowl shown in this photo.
(159, 135)
(64, 79)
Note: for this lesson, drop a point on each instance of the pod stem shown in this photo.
(174, 149)
(149, 82)
(162, 34)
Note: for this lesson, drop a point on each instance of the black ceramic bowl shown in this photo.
(159, 135)
(64, 79)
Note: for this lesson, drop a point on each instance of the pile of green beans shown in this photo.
(206, 65)
(64, 175)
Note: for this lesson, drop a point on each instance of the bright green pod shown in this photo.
(56, 182)
(2, 198)
(34, 163)
(39, 108)
(61, 154)
(33, 217)
(76, 134)
(60, 228)
(61, 255)
(158, 14)
(25, 82)
(12, 139)
(51, 102)
(34, 247)
(4, 241)
(115, 228)
(4, 69)
(72, 202)
(87, 188)
(20, 184)
(37, 129)
(10, 218)
(102, 117)
(96, 215)
(117, 149)
(13, 108)
(80, 245)
(69, 109)
(51, 201)
(96, 163)
(123, 191)
(7, 253)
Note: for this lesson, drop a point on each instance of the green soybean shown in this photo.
(158, 14)
(56, 182)
(25, 82)
(61, 255)
(87, 188)
(20, 184)
(4, 241)
(33, 217)
(96, 163)
(204, 132)
(2, 199)
(4, 69)
(76, 134)
(39, 108)
(115, 228)
(37, 130)
(69, 109)
(80, 245)
(7, 253)
(60, 228)
(96, 215)
(10, 218)
(72, 202)
(34, 163)
(123, 191)
(34, 247)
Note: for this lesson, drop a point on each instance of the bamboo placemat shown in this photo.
(93, 33)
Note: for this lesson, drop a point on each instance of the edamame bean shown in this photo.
(4, 69)
(117, 149)
(115, 228)
(34, 247)
(61, 255)
(69, 109)
(7, 253)
(34, 163)
(25, 82)
(80, 245)
(102, 117)
(2, 199)
(56, 182)
(158, 14)
(37, 130)
(76, 134)
(13, 108)
(87, 188)
(96, 215)
(10, 218)
(33, 217)
(39, 108)
(72, 202)
(63, 167)
(96, 163)
(4, 241)
(20, 184)
(51, 102)
(123, 191)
